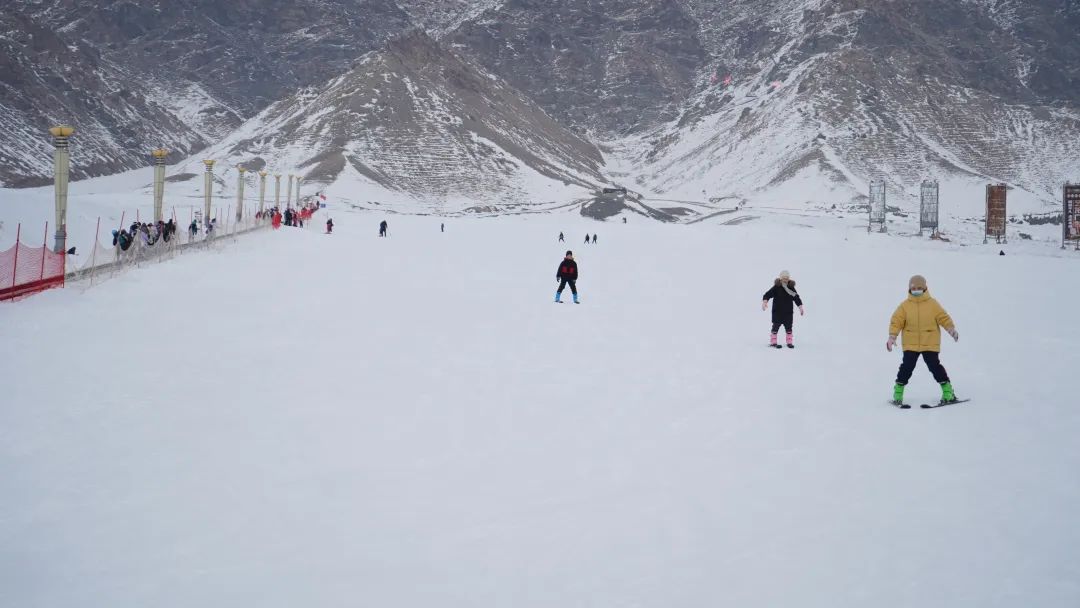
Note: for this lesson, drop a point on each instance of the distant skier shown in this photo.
(594, 239)
(383, 228)
(193, 229)
(329, 225)
(561, 238)
(784, 298)
(624, 220)
(587, 239)
(567, 275)
(920, 319)
(442, 227)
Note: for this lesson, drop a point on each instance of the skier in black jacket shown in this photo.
(784, 298)
(567, 273)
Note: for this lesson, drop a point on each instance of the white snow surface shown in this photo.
(310, 420)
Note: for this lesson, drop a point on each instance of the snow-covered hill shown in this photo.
(414, 120)
(132, 76)
(311, 420)
(823, 96)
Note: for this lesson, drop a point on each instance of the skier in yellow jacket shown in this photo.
(918, 320)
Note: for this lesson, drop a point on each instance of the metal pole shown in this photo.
(208, 186)
(60, 134)
(297, 190)
(159, 182)
(15, 264)
(1064, 214)
(277, 191)
(288, 193)
(44, 249)
(93, 256)
(262, 191)
(240, 194)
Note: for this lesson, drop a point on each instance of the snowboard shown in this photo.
(902, 406)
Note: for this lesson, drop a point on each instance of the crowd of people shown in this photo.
(147, 234)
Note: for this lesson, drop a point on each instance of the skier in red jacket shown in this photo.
(567, 274)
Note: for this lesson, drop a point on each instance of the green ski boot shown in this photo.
(898, 394)
(947, 394)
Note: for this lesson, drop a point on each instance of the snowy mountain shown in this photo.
(697, 101)
(844, 93)
(133, 75)
(415, 119)
(750, 99)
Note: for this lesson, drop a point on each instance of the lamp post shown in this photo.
(60, 134)
(277, 191)
(208, 186)
(288, 193)
(297, 190)
(262, 191)
(159, 181)
(240, 194)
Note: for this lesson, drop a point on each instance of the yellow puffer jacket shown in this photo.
(920, 319)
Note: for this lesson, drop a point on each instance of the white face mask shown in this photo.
(917, 292)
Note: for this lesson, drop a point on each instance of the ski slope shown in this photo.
(308, 420)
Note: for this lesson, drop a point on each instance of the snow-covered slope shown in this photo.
(416, 120)
(311, 420)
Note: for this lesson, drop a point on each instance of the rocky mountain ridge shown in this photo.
(692, 99)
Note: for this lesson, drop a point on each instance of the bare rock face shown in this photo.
(417, 119)
(615, 66)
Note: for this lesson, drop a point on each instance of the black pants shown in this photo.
(573, 286)
(785, 322)
(907, 366)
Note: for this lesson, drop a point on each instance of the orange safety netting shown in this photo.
(25, 270)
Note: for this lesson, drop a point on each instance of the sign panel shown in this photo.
(1071, 213)
(996, 196)
(928, 206)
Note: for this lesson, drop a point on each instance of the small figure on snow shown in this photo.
(919, 320)
(594, 239)
(329, 225)
(561, 238)
(784, 298)
(383, 228)
(567, 274)
(587, 239)
(442, 227)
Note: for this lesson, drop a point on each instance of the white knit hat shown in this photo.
(785, 274)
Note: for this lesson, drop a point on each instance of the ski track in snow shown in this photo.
(301, 419)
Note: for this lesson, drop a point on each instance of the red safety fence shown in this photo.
(25, 270)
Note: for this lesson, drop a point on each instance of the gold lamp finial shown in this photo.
(62, 131)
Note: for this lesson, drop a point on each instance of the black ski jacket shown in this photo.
(567, 270)
(783, 308)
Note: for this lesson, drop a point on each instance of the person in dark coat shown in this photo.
(784, 298)
(383, 228)
(567, 275)
(561, 239)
